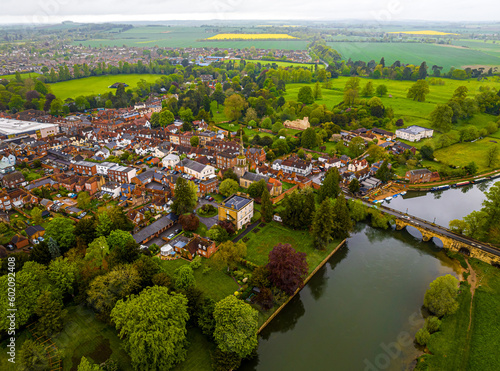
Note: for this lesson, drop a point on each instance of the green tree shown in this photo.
(368, 90)
(36, 215)
(309, 138)
(330, 188)
(266, 206)
(83, 200)
(194, 141)
(104, 291)
(62, 231)
(166, 117)
(33, 356)
(236, 326)
(418, 91)
(422, 336)
(356, 146)
(118, 239)
(305, 95)
(62, 273)
(317, 91)
(51, 314)
(85, 365)
(233, 106)
(384, 173)
(492, 155)
(104, 224)
(440, 298)
(322, 225)
(184, 277)
(186, 115)
(342, 223)
(441, 117)
(354, 186)
(228, 187)
(96, 252)
(256, 188)
(154, 338)
(229, 254)
(185, 196)
(381, 90)
(427, 152)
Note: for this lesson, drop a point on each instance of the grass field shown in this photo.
(215, 284)
(461, 154)
(414, 53)
(426, 32)
(262, 242)
(26, 75)
(97, 84)
(456, 348)
(198, 352)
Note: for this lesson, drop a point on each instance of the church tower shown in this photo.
(241, 162)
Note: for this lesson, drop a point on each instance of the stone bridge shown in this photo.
(451, 240)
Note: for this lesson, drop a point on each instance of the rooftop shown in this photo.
(236, 202)
(11, 126)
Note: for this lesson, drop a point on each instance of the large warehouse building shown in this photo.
(10, 128)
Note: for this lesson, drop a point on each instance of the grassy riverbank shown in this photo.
(458, 347)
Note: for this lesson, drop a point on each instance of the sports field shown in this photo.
(96, 84)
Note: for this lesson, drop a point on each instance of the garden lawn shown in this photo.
(97, 84)
(262, 242)
(215, 284)
(198, 356)
(84, 335)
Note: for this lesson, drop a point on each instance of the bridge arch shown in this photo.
(437, 241)
(464, 250)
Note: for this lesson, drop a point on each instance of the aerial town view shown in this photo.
(252, 186)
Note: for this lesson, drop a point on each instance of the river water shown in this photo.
(362, 309)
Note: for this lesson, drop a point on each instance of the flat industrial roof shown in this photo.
(11, 126)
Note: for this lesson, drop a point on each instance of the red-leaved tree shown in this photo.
(189, 222)
(287, 268)
(228, 226)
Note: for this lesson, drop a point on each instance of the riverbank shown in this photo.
(320, 265)
(423, 187)
(469, 338)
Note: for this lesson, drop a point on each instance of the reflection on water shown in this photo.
(454, 203)
(365, 300)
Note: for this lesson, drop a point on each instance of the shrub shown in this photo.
(423, 336)
(196, 263)
(432, 324)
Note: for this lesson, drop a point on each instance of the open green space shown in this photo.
(25, 75)
(461, 154)
(415, 53)
(84, 335)
(262, 242)
(97, 84)
(455, 347)
(198, 356)
(214, 283)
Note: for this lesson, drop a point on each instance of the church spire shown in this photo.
(241, 142)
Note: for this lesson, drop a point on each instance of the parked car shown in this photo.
(210, 198)
(171, 235)
(178, 230)
(41, 239)
(207, 197)
(36, 242)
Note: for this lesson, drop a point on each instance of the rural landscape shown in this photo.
(222, 194)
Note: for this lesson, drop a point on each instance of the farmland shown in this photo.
(96, 84)
(415, 53)
(252, 36)
(425, 32)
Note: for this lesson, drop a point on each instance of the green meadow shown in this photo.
(25, 75)
(97, 84)
(415, 53)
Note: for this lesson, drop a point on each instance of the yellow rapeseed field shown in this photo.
(250, 36)
(426, 32)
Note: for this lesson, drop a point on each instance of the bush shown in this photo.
(196, 263)
(256, 216)
(432, 324)
(423, 336)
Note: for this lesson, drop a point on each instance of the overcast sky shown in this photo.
(51, 11)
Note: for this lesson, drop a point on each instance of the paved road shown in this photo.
(210, 221)
(435, 228)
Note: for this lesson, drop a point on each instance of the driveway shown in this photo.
(209, 222)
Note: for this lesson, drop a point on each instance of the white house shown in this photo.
(196, 169)
(414, 133)
(111, 188)
(10, 159)
(103, 167)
